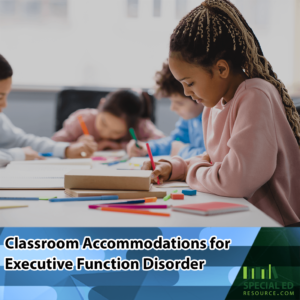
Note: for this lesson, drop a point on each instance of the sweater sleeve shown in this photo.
(190, 151)
(163, 146)
(251, 160)
(71, 130)
(14, 138)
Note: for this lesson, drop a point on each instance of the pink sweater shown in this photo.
(71, 130)
(253, 151)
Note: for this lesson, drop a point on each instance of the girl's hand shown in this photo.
(86, 139)
(134, 151)
(30, 154)
(109, 145)
(162, 170)
(75, 150)
(176, 147)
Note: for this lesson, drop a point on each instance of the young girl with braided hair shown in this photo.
(251, 126)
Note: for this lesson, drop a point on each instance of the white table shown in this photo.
(77, 214)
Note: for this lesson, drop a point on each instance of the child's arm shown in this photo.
(71, 130)
(251, 160)
(14, 138)
(190, 151)
(163, 146)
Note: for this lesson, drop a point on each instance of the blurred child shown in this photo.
(187, 139)
(109, 124)
(15, 144)
(251, 126)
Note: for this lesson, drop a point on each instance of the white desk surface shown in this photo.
(77, 214)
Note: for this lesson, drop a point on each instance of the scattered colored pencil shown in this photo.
(151, 159)
(135, 206)
(108, 197)
(5, 207)
(26, 198)
(82, 124)
(134, 211)
(132, 133)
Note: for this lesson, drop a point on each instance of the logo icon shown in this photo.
(260, 273)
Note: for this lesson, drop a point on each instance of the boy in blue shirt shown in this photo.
(187, 139)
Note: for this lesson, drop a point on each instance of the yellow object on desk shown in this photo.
(5, 207)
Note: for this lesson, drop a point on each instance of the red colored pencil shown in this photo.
(151, 159)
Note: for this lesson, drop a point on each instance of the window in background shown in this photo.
(32, 10)
(7, 8)
(156, 8)
(132, 8)
(181, 8)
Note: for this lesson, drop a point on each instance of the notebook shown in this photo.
(153, 192)
(210, 208)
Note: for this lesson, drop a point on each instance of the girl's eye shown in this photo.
(191, 84)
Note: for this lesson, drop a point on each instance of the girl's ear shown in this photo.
(223, 68)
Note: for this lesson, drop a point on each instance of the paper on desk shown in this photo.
(34, 178)
(80, 161)
(171, 184)
(31, 180)
(118, 153)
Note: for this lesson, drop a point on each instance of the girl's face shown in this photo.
(110, 127)
(198, 83)
(5, 86)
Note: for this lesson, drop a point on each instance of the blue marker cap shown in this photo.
(48, 154)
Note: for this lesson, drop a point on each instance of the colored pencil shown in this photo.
(132, 133)
(151, 159)
(135, 206)
(108, 197)
(130, 201)
(5, 207)
(26, 198)
(134, 211)
(82, 124)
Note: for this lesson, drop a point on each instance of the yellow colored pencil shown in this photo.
(5, 207)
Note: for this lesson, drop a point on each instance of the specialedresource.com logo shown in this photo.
(265, 282)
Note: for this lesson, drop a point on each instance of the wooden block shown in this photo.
(98, 179)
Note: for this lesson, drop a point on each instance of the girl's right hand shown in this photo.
(163, 170)
(75, 150)
(134, 151)
(85, 138)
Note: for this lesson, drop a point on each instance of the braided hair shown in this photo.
(217, 30)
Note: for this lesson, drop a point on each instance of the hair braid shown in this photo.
(203, 37)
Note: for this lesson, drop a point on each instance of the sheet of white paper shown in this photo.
(80, 161)
(172, 184)
(109, 153)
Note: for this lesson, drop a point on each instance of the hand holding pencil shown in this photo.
(162, 171)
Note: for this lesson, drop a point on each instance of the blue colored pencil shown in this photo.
(25, 198)
(109, 197)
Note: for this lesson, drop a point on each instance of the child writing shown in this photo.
(251, 126)
(15, 144)
(187, 139)
(109, 124)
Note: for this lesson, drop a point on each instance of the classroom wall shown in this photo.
(34, 112)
